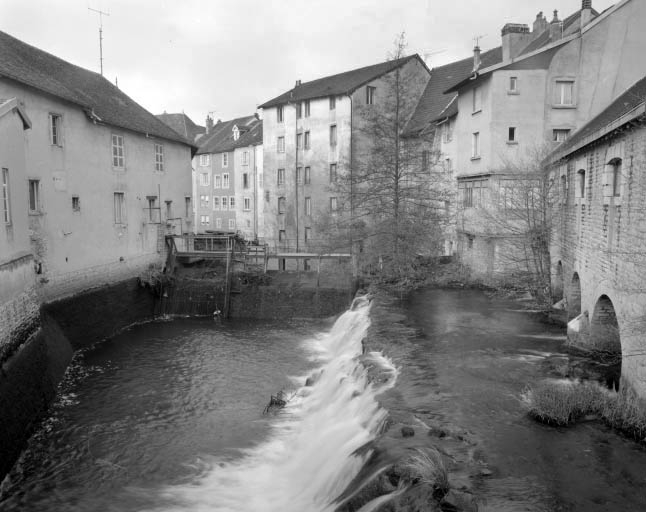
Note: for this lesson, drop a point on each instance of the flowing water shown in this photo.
(168, 416)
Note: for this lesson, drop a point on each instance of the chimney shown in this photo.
(540, 25)
(515, 37)
(209, 124)
(298, 82)
(586, 12)
(556, 27)
(476, 59)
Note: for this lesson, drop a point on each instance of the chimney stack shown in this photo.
(476, 59)
(556, 27)
(540, 25)
(209, 124)
(298, 82)
(586, 12)
(515, 37)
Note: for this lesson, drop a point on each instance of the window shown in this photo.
(332, 173)
(424, 160)
(225, 180)
(560, 135)
(307, 176)
(245, 158)
(299, 141)
(217, 181)
(218, 223)
(216, 202)
(281, 238)
(204, 179)
(580, 189)
(308, 206)
(332, 102)
(236, 133)
(246, 204)
(34, 196)
(299, 111)
(333, 135)
(282, 205)
(118, 159)
(307, 108)
(225, 159)
(472, 193)
(307, 265)
(267, 195)
(308, 234)
(448, 164)
(6, 206)
(119, 208)
(205, 220)
(563, 189)
(281, 177)
(615, 176)
(475, 145)
(225, 203)
(204, 201)
(55, 129)
(477, 99)
(232, 203)
(152, 207)
(187, 207)
(245, 180)
(299, 175)
(280, 145)
(307, 140)
(232, 223)
(169, 209)
(513, 84)
(447, 131)
(564, 93)
(370, 95)
(204, 160)
(511, 135)
(159, 157)
(333, 204)
(279, 114)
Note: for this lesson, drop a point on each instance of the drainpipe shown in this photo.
(351, 176)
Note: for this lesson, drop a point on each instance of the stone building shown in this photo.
(228, 173)
(312, 135)
(103, 178)
(599, 232)
(547, 82)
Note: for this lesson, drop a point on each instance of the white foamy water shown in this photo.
(308, 459)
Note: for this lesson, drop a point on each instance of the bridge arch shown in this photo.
(574, 298)
(605, 335)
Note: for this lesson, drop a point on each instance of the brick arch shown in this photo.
(574, 297)
(558, 285)
(604, 330)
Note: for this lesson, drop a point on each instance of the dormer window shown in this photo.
(236, 133)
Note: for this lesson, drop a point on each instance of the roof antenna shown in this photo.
(101, 14)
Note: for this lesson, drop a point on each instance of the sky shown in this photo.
(225, 57)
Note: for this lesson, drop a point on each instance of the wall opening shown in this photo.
(605, 338)
(574, 298)
(558, 284)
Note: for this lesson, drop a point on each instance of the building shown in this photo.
(104, 178)
(549, 81)
(312, 136)
(183, 125)
(228, 167)
(598, 245)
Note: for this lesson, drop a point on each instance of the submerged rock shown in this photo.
(459, 501)
(407, 431)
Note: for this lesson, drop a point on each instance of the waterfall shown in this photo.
(308, 459)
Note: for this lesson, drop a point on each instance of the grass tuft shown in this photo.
(427, 466)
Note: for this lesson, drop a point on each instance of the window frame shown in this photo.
(120, 159)
(557, 132)
(307, 108)
(56, 129)
(224, 203)
(332, 102)
(205, 180)
(205, 159)
(333, 172)
(246, 204)
(308, 206)
(559, 90)
(120, 214)
(6, 196)
(475, 146)
(333, 135)
(476, 100)
(280, 177)
(280, 144)
(159, 157)
(370, 94)
(34, 199)
(334, 204)
(232, 224)
(307, 175)
(226, 182)
(225, 160)
(280, 114)
(232, 202)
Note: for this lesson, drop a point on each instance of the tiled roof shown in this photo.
(434, 102)
(40, 70)
(629, 100)
(182, 124)
(221, 138)
(570, 25)
(341, 83)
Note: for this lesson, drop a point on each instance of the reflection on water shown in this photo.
(471, 363)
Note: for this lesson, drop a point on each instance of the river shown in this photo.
(167, 416)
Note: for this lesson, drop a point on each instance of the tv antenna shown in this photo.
(428, 52)
(476, 40)
(101, 14)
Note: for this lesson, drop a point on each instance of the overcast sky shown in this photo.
(226, 56)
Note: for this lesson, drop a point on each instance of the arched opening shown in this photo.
(558, 283)
(605, 338)
(574, 298)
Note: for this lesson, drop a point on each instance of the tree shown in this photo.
(392, 201)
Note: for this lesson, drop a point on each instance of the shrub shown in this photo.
(427, 466)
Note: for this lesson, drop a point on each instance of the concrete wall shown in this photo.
(67, 240)
(602, 240)
(247, 219)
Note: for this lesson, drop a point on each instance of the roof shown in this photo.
(221, 138)
(342, 83)
(434, 102)
(570, 25)
(10, 105)
(101, 100)
(182, 124)
(606, 121)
